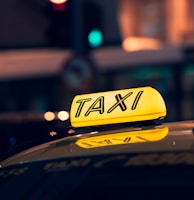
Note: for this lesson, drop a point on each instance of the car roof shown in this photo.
(164, 137)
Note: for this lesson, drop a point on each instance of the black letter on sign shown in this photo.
(100, 108)
(82, 102)
(120, 102)
(136, 100)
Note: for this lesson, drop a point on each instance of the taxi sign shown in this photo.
(118, 106)
(136, 136)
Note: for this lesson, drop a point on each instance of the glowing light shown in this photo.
(95, 38)
(137, 107)
(53, 133)
(49, 116)
(63, 115)
(140, 43)
(71, 131)
(59, 5)
(58, 1)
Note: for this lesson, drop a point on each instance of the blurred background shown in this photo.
(52, 50)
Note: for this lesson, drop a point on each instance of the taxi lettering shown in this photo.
(98, 104)
(119, 106)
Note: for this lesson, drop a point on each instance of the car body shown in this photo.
(128, 160)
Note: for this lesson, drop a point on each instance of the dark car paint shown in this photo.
(62, 170)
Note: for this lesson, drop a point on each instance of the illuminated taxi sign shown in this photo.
(119, 106)
(138, 136)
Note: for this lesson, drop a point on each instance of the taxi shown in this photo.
(118, 147)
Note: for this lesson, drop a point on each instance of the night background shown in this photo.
(50, 52)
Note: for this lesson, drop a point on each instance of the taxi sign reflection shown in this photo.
(137, 136)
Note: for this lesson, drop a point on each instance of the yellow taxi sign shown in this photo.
(138, 136)
(119, 106)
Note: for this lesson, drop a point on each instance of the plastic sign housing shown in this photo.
(119, 106)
